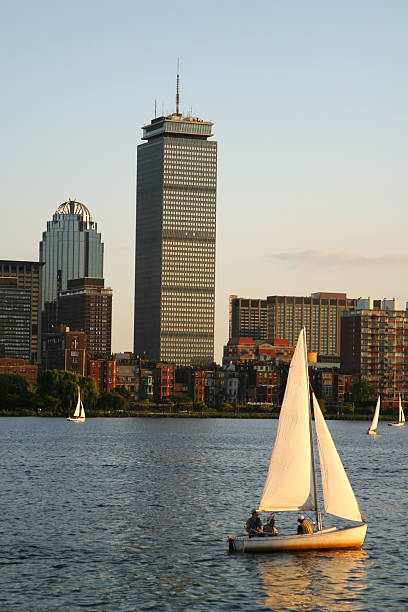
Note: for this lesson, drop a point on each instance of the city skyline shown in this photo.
(305, 201)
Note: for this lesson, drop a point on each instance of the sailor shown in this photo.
(270, 528)
(304, 526)
(254, 524)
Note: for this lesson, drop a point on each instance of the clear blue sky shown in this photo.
(309, 101)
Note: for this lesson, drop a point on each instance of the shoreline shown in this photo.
(91, 414)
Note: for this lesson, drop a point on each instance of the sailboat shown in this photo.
(79, 414)
(291, 483)
(372, 430)
(401, 415)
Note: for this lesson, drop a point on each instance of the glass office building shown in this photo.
(175, 241)
(71, 248)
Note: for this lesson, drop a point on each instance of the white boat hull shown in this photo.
(327, 539)
(372, 433)
(76, 419)
(396, 424)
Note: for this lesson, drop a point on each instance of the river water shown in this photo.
(134, 514)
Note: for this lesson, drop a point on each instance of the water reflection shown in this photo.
(314, 581)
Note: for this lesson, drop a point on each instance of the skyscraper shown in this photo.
(175, 240)
(19, 309)
(71, 248)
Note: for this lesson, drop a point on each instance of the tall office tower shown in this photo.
(70, 248)
(87, 305)
(175, 241)
(374, 344)
(248, 318)
(320, 314)
(19, 309)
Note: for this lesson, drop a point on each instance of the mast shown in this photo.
(313, 459)
(178, 88)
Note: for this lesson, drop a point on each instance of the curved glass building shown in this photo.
(70, 248)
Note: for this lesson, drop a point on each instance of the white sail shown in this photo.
(338, 495)
(288, 483)
(78, 406)
(373, 426)
(82, 413)
(401, 416)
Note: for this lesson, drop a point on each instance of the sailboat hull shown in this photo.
(76, 419)
(327, 539)
(372, 432)
(396, 424)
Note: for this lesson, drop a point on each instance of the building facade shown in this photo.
(70, 248)
(320, 314)
(66, 349)
(248, 318)
(87, 305)
(374, 344)
(20, 309)
(175, 241)
(20, 367)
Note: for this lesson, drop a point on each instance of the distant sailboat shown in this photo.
(79, 414)
(401, 416)
(373, 427)
(291, 483)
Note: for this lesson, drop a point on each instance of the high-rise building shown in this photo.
(374, 344)
(283, 316)
(248, 318)
(19, 309)
(71, 248)
(87, 305)
(175, 241)
(320, 314)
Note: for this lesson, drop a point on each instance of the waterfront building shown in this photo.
(248, 318)
(70, 248)
(175, 241)
(19, 309)
(374, 344)
(87, 305)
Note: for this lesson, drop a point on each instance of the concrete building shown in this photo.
(248, 318)
(374, 344)
(19, 309)
(175, 241)
(320, 314)
(70, 248)
(87, 305)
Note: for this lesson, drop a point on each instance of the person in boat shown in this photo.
(304, 526)
(254, 525)
(270, 527)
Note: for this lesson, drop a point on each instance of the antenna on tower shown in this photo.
(178, 88)
(155, 108)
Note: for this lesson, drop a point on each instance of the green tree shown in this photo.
(14, 393)
(112, 402)
(363, 393)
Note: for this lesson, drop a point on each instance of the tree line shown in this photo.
(56, 394)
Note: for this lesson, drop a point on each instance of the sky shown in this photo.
(309, 102)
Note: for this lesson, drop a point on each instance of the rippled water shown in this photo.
(134, 514)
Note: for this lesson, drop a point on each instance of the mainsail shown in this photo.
(288, 484)
(77, 412)
(373, 426)
(338, 495)
(401, 416)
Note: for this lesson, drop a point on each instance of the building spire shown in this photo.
(178, 88)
